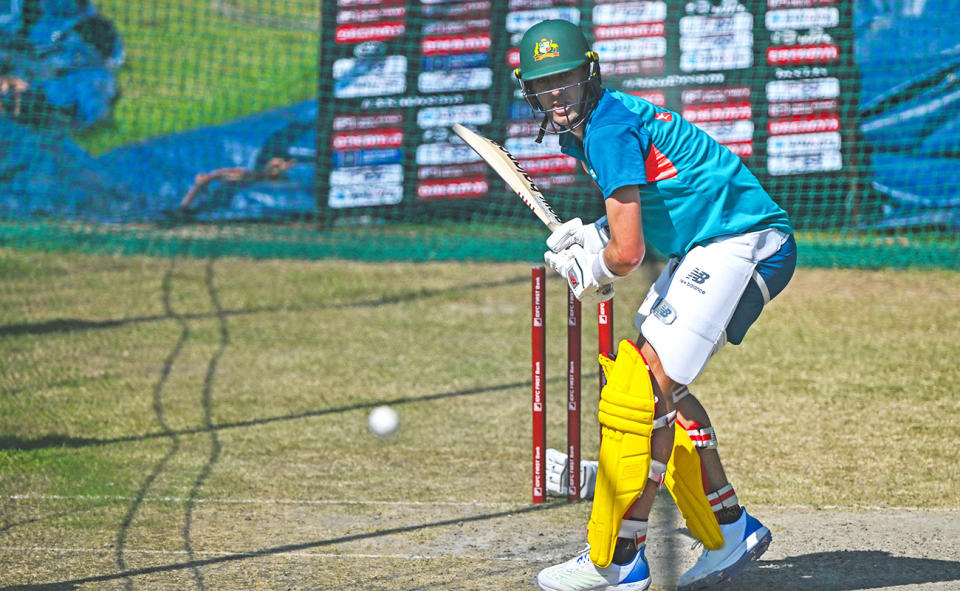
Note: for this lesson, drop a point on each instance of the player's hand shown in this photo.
(592, 237)
(556, 470)
(578, 266)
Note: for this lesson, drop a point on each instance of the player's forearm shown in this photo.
(623, 261)
(626, 248)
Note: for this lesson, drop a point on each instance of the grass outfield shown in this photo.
(135, 392)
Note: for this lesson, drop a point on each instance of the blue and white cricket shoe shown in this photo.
(580, 574)
(744, 540)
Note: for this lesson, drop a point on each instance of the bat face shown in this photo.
(509, 169)
(524, 175)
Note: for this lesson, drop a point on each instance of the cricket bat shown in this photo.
(505, 165)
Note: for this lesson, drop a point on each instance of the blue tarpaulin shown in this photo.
(165, 168)
(42, 176)
(46, 176)
(909, 59)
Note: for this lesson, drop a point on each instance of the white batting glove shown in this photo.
(586, 274)
(592, 237)
(557, 475)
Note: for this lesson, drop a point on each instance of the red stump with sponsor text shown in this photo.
(539, 403)
(573, 396)
(604, 335)
(539, 406)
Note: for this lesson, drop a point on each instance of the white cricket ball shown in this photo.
(383, 421)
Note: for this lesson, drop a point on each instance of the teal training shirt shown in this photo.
(692, 189)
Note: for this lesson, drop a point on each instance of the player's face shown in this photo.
(561, 95)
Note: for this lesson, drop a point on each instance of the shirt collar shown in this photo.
(568, 142)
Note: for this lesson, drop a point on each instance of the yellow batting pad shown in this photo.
(626, 421)
(685, 483)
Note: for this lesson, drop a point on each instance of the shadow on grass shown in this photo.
(208, 424)
(844, 571)
(67, 585)
(8, 442)
(166, 371)
(59, 325)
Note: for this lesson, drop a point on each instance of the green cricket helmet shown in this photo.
(555, 47)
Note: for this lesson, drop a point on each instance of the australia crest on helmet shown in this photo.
(545, 48)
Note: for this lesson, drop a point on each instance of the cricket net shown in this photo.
(303, 129)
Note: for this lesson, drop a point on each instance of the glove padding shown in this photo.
(557, 475)
(592, 237)
(576, 265)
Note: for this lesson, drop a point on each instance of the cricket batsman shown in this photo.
(731, 250)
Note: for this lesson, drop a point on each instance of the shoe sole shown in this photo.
(734, 569)
(636, 586)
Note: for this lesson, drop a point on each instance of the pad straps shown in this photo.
(702, 437)
(723, 498)
(659, 469)
(634, 529)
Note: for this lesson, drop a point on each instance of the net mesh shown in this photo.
(311, 130)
